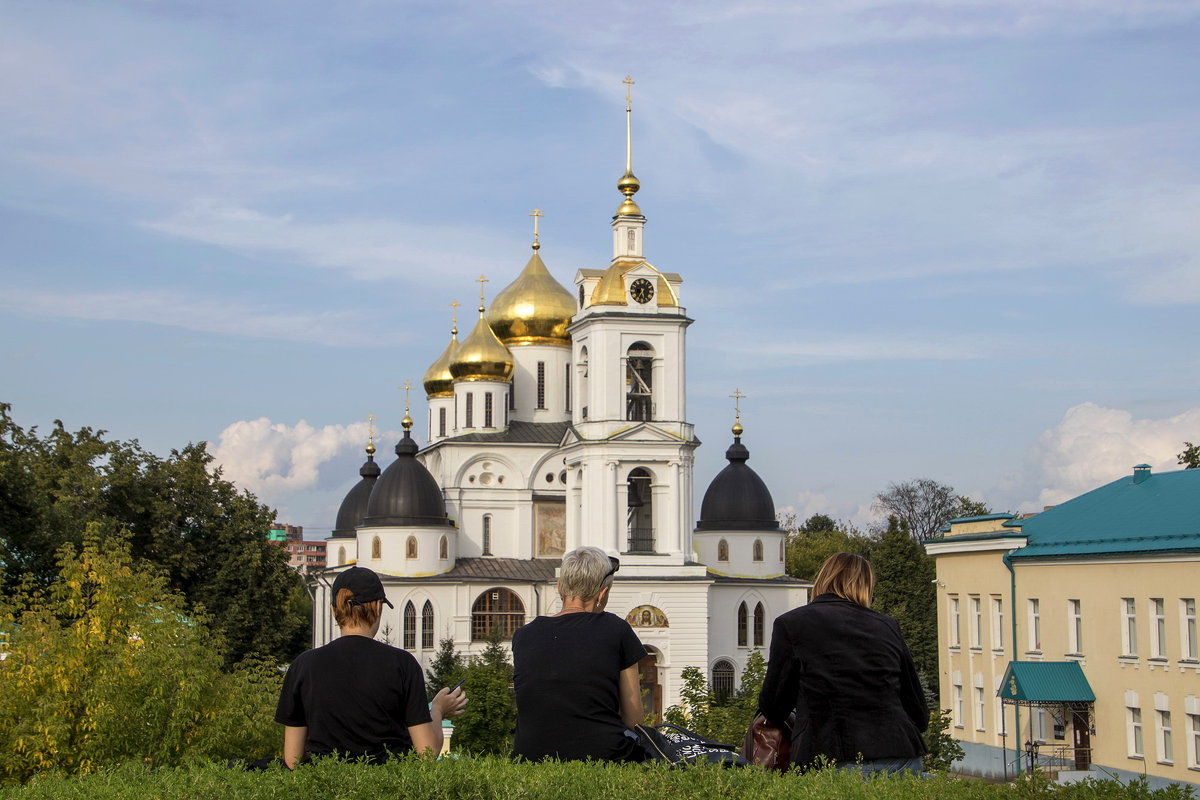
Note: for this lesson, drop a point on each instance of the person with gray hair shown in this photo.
(576, 673)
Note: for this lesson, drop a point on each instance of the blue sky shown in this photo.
(946, 240)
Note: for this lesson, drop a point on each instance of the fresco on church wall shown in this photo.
(647, 617)
(551, 529)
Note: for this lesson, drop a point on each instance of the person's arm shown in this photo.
(778, 695)
(293, 744)
(630, 690)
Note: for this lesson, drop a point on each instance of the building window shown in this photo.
(1187, 628)
(997, 623)
(722, 679)
(487, 534)
(567, 384)
(581, 295)
(410, 547)
(487, 410)
(976, 622)
(442, 421)
(1075, 627)
(1129, 626)
(758, 550)
(470, 410)
(1133, 716)
(341, 556)
(376, 548)
(639, 364)
(1158, 628)
(410, 626)
(741, 625)
(1166, 748)
(512, 400)
(980, 709)
(427, 626)
(955, 622)
(443, 549)
(958, 705)
(782, 550)
(640, 511)
(1035, 625)
(497, 610)
(583, 382)
(760, 624)
(722, 550)
(541, 384)
(1193, 744)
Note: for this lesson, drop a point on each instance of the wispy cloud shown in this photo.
(858, 348)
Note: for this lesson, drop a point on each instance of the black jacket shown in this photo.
(850, 678)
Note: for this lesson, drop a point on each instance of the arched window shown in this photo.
(583, 380)
(782, 550)
(443, 549)
(722, 550)
(410, 547)
(487, 534)
(427, 626)
(722, 679)
(341, 556)
(741, 625)
(639, 365)
(376, 548)
(497, 610)
(581, 295)
(760, 622)
(640, 507)
(758, 550)
(410, 626)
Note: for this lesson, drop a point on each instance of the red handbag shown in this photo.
(767, 745)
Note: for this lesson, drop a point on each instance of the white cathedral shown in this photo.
(561, 421)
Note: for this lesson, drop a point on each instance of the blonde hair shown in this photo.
(584, 572)
(848, 576)
(359, 615)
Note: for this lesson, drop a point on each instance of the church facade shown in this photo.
(561, 421)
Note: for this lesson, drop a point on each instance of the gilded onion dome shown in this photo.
(438, 380)
(533, 309)
(481, 356)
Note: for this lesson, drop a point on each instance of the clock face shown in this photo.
(641, 290)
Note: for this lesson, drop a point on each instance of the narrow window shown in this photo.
(955, 624)
(410, 547)
(487, 534)
(427, 626)
(722, 550)
(1129, 628)
(980, 709)
(1158, 628)
(639, 365)
(1134, 718)
(442, 421)
(976, 622)
(958, 705)
(487, 410)
(341, 556)
(758, 550)
(997, 623)
(512, 398)
(1166, 748)
(760, 624)
(376, 548)
(443, 549)
(1075, 626)
(581, 295)
(1187, 628)
(1193, 744)
(1035, 625)
(741, 625)
(410, 626)
(470, 410)
(567, 383)
(541, 384)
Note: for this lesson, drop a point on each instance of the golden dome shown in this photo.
(481, 356)
(533, 309)
(438, 380)
(610, 291)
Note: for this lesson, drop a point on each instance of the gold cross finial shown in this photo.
(371, 418)
(628, 89)
(481, 281)
(737, 412)
(536, 214)
(407, 421)
(454, 304)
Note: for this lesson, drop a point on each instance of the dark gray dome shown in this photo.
(737, 499)
(406, 494)
(354, 506)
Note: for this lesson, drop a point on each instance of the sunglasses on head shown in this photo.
(616, 565)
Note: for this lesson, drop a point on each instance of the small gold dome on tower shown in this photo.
(438, 380)
(481, 356)
(533, 309)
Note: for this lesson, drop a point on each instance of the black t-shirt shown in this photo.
(356, 696)
(566, 672)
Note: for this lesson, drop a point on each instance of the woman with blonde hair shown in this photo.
(358, 697)
(576, 673)
(847, 673)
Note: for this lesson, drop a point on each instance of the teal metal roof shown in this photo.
(977, 518)
(1046, 682)
(1141, 513)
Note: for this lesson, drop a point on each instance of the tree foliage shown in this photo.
(943, 749)
(446, 669)
(491, 716)
(924, 505)
(106, 664)
(905, 589)
(719, 718)
(179, 513)
(819, 537)
(1190, 457)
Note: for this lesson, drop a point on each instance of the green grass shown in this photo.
(500, 779)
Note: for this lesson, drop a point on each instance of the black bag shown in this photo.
(676, 745)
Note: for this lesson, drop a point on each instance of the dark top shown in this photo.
(566, 672)
(850, 678)
(356, 696)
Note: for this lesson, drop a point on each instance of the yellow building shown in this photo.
(1069, 638)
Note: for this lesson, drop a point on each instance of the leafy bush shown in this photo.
(721, 719)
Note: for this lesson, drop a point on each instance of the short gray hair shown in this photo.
(584, 573)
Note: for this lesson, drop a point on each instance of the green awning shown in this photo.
(1045, 682)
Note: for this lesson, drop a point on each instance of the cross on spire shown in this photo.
(536, 214)
(371, 418)
(407, 422)
(737, 411)
(629, 81)
(454, 304)
(481, 281)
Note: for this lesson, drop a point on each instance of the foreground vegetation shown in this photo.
(499, 779)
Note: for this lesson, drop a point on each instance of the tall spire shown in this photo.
(737, 413)
(628, 185)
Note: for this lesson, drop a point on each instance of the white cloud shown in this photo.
(1093, 445)
(862, 348)
(209, 315)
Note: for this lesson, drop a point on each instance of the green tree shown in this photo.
(1190, 457)
(487, 724)
(721, 719)
(905, 589)
(924, 505)
(106, 664)
(943, 749)
(819, 537)
(446, 669)
(179, 514)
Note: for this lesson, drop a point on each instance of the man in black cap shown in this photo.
(355, 696)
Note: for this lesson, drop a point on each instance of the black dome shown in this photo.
(354, 507)
(737, 499)
(406, 494)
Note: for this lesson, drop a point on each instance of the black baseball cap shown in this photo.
(363, 584)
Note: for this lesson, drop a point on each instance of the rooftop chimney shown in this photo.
(1141, 472)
